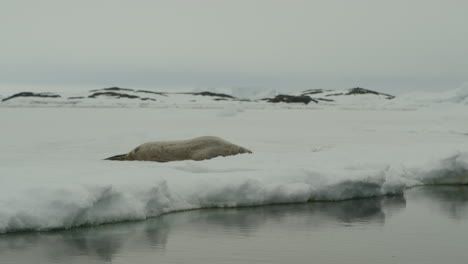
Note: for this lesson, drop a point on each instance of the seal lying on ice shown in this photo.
(200, 148)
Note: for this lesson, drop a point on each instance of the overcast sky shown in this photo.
(391, 46)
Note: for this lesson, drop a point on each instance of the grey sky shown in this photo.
(384, 45)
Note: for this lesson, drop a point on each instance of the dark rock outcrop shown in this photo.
(119, 95)
(325, 100)
(118, 89)
(359, 90)
(353, 91)
(113, 94)
(213, 94)
(151, 92)
(335, 94)
(30, 94)
(147, 99)
(314, 91)
(283, 98)
(113, 89)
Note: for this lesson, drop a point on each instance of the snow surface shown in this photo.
(53, 176)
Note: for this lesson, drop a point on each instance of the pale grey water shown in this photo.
(426, 225)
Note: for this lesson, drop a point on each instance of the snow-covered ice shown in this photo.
(52, 172)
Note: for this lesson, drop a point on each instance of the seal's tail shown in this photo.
(243, 150)
(117, 157)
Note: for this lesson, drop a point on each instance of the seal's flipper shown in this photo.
(117, 157)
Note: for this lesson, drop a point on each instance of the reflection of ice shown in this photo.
(247, 220)
(19, 241)
(91, 242)
(348, 212)
(452, 200)
(97, 242)
(157, 233)
(392, 205)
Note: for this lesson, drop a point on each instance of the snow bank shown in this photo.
(45, 208)
(52, 175)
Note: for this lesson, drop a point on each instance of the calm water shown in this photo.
(426, 225)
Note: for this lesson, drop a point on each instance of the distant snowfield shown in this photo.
(52, 172)
(116, 97)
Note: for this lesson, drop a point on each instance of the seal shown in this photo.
(200, 148)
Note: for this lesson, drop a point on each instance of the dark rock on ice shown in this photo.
(113, 89)
(119, 95)
(335, 94)
(147, 98)
(314, 91)
(151, 92)
(118, 89)
(113, 94)
(213, 94)
(291, 99)
(325, 100)
(30, 94)
(359, 90)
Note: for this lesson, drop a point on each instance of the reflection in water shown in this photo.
(104, 242)
(372, 210)
(452, 200)
(247, 220)
(19, 241)
(100, 242)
